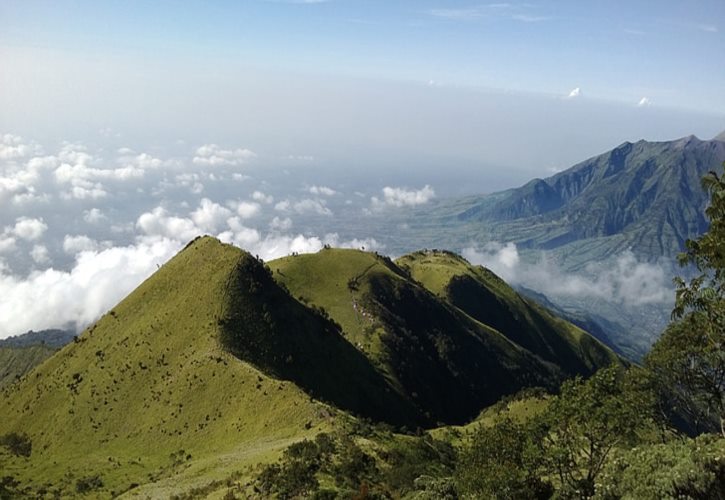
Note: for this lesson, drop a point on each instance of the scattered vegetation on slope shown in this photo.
(17, 361)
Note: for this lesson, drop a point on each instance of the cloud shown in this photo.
(311, 206)
(73, 245)
(98, 280)
(577, 92)
(213, 156)
(29, 229)
(40, 254)
(525, 18)
(278, 224)
(262, 198)
(514, 12)
(624, 279)
(159, 223)
(708, 28)
(457, 14)
(13, 147)
(210, 216)
(283, 205)
(644, 102)
(322, 191)
(246, 209)
(94, 216)
(7, 243)
(400, 197)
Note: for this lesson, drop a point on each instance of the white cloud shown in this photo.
(212, 155)
(29, 229)
(262, 198)
(644, 102)
(509, 11)
(142, 161)
(159, 223)
(577, 92)
(400, 197)
(278, 224)
(283, 205)
(7, 243)
(246, 209)
(623, 279)
(13, 147)
(40, 254)
(210, 216)
(311, 206)
(94, 216)
(73, 245)
(457, 14)
(322, 190)
(96, 282)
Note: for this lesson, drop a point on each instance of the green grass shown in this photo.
(17, 361)
(150, 379)
(485, 297)
(452, 359)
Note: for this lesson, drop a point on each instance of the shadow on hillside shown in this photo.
(263, 325)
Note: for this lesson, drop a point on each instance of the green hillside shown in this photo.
(217, 363)
(451, 360)
(147, 395)
(17, 361)
(488, 299)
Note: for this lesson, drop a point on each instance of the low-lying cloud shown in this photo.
(623, 279)
(402, 197)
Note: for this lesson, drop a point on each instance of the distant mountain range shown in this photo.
(227, 359)
(22, 353)
(642, 198)
(645, 197)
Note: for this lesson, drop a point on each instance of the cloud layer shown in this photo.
(81, 227)
(624, 280)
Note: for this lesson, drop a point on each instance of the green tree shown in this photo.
(502, 462)
(588, 420)
(689, 358)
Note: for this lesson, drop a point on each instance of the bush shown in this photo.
(502, 462)
(90, 483)
(689, 468)
(355, 466)
(18, 444)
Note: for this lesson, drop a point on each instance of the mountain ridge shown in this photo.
(646, 194)
(211, 365)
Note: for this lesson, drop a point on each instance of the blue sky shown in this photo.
(670, 52)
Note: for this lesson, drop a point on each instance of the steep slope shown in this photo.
(645, 196)
(148, 395)
(482, 295)
(17, 361)
(452, 363)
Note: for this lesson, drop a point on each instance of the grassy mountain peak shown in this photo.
(218, 361)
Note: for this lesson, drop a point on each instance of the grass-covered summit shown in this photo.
(485, 297)
(451, 353)
(149, 395)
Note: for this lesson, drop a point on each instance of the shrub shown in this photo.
(18, 444)
(89, 483)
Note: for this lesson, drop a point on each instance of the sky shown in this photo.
(128, 127)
